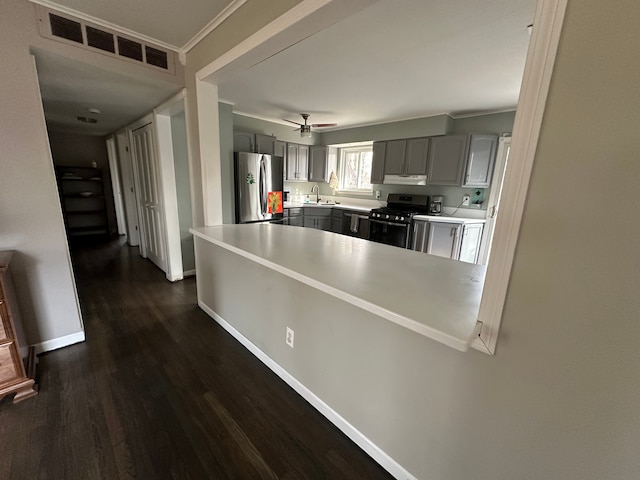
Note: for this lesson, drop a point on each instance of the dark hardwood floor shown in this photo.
(159, 390)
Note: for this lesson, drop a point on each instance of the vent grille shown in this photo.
(101, 40)
(66, 28)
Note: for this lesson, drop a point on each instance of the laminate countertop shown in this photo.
(432, 296)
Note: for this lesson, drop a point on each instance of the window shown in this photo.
(355, 169)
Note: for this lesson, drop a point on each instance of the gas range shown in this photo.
(392, 224)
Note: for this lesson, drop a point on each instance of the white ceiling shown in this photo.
(393, 60)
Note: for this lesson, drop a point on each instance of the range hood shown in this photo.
(405, 179)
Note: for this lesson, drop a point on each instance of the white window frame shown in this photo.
(341, 169)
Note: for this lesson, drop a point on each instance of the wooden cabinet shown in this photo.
(280, 149)
(447, 157)
(317, 217)
(297, 162)
(336, 220)
(322, 161)
(13, 377)
(265, 144)
(293, 217)
(470, 243)
(377, 163)
(480, 160)
(444, 239)
(83, 200)
(394, 157)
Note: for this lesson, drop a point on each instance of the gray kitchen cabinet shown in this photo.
(265, 144)
(377, 163)
(480, 160)
(447, 158)
(444, 239)
(280, 149)
(322, 161)
(244, 142)
(293, 216)
(336, 220)
(415, 162)
(355, 224)
(297, 162)
(318, 218)
(470, 243)
(394, 157)
(420, 235)
(403, 157)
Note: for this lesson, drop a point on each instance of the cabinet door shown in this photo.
(470, 244)
(446, 159)
(377, 164)
(443, 239)
(336, 225)
(296, 221)
(280, 149)
(394, 157)
(265, 144)
(303, 162)
(292, 162)
(481, 158)
(318, 164)
(415, 162)
(309, 222)
(243, 142)
(419, 236)
(323, 223)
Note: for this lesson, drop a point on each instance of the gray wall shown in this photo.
(560, 398)
(183, 190)
(79, 151)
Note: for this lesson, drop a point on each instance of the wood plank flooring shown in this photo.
(159, 390)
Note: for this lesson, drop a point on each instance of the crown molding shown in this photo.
(212, 25)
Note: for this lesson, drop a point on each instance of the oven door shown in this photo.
(390, 233)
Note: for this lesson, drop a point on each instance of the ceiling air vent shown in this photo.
(100, 39)
(65, 28)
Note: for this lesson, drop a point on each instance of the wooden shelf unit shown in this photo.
(83, 201)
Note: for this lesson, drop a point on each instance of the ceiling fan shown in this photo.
(305, 129)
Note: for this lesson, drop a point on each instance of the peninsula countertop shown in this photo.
(435, 297)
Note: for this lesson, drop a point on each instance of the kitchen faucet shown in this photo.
(317, 189)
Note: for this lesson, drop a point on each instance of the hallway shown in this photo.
(159, 390)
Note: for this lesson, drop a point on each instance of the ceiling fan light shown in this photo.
(305, 131)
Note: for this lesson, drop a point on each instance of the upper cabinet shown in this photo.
(297, 162)
(446, 159)
(244, 142)
(322, 161)
(377, 164)
(265, 144)
(399, 157)
(481, 159)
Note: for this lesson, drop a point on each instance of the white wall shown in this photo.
(30, 216)
(560, 399)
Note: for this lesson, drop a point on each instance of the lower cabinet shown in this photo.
(336, 220)
(355, 224)
(293, 217)
(456, 241)
(318, 218)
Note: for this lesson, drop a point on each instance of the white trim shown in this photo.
(103, 23)
(375, 452)
(211, 26)
(528, 123)
(189, 273)
(172, 105)
(59, 342)
(284, 21)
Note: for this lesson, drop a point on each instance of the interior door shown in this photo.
(150, 206)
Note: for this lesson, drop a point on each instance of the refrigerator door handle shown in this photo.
(263, 187)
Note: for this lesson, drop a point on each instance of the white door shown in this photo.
(150, 206)
(115, 185)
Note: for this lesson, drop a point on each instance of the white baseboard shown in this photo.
(59, 342)
(375, 452)
(189, 273)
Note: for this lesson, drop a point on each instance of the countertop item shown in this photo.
(435, 297)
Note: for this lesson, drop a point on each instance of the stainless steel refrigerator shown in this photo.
(258, 184)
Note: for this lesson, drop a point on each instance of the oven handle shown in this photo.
(406, 225)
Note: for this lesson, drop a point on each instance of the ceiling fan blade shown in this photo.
(320, 125)
(291, 121)
(297, 129)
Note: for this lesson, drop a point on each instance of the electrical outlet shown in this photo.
(465, 200)
(377, 194)
(289, 338)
